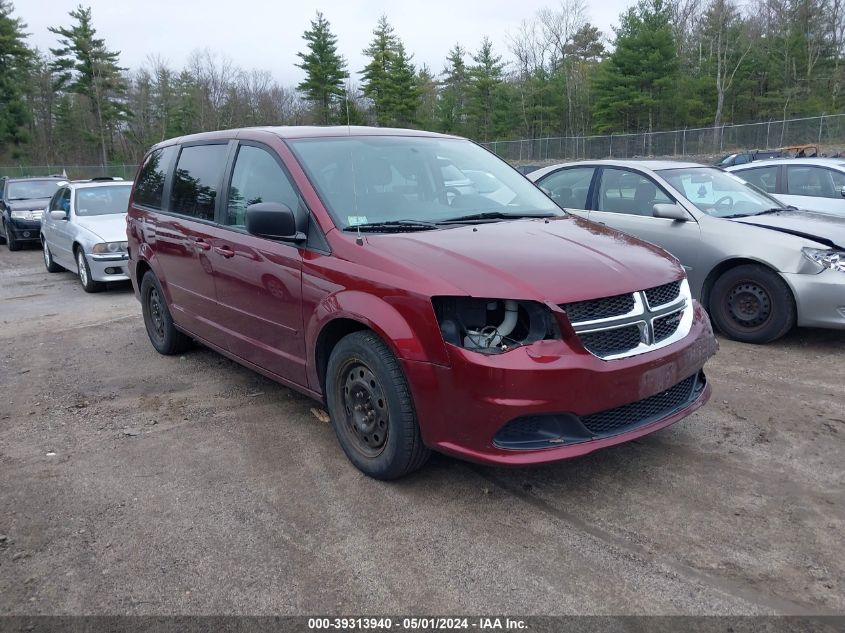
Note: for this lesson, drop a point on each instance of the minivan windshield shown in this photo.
(718, 193)
(102, 200)
(415, 182)
(32, 189)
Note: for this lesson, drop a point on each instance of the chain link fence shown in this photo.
(825, 130)
(72, 172)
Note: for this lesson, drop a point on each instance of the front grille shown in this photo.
(611, 342)
(650, 409)
(666, 326)
(605, 308)
(664, 294)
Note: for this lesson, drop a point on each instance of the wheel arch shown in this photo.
(725, 265)
(345, 312)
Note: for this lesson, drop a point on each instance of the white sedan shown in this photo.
(84, 229)
(815, 184)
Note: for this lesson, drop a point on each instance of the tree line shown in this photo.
(668, 64)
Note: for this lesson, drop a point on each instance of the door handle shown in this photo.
(202, 244)
(225, 251)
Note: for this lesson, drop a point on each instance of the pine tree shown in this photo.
(429, 103)
(15, 59)
(402, 90)
(486, 78)
(325, 71)
(84, 66)
(635, 88)
(376, 74)
(454, 92)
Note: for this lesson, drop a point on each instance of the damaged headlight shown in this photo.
(835, 260)
(493, 326)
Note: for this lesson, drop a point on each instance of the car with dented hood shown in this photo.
(760, 266)
(482, 322)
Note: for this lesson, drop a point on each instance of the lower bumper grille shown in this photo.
(560, 429)
(650, 409)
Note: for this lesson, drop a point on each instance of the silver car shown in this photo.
(84, 229)
(760, 267)
(817, 184)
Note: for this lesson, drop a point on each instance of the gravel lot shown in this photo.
(134, 483)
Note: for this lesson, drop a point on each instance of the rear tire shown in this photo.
(752, 304)
(371, 408)
(49, 264)
(84, 272)
(164, 336)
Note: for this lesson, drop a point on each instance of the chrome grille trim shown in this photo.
(643, 316)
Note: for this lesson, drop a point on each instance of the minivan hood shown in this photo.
(29, 204)
(109, 228)
(821, 227)
(560, 260)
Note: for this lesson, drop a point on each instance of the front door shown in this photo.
(625, 201)
(259, 281)
(814, 188)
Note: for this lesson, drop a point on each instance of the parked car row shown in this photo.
(434, 298)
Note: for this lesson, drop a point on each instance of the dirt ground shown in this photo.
(132, 483)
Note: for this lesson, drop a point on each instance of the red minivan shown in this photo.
(420, 287)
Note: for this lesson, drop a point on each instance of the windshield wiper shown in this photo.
(495, 215)
(751, 215)
(396, 226)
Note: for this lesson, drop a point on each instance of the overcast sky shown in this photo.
(267, 35)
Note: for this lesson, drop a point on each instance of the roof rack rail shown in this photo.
(105, 178)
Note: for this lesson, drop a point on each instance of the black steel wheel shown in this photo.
(371, 408)
(157, 319)
(751, 303)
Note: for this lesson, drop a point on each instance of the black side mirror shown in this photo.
(275, 221)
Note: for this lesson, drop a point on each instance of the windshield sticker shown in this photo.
(355, 220)
(698, 190)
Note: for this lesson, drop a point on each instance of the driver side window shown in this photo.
(257, 178)
(61, 200)
(624, 191)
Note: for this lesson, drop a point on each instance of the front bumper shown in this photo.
(820, 298)
(25, 230)
(110, 267)
(461, 408)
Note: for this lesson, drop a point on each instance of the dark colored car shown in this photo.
(490, 326)
(742, 158)
(22, 202)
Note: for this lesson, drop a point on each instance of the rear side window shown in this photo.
(197, 180)
(764, 177)
(257, 178)
(150, 186)
(570, 187)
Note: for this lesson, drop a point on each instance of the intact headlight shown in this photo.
(493, 326)
(110, 247)
(26, 215)
(826, 258)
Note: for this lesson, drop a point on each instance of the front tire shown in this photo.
(11, 241)
(49, 263)
(752, 304)
(371, 408)
(84, 271)
(164, 336)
